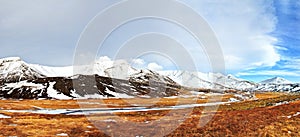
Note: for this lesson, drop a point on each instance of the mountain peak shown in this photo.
(13, 69)
(10, 59)
(276, 80)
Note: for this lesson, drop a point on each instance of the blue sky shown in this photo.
(260, 39)
(287, 33)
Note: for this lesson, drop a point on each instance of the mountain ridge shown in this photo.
(275, 80)
(106, 79)
(32, 80)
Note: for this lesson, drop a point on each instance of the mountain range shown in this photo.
(106, 78)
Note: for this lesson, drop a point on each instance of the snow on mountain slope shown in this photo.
(52, 93)
(14, 69)
(236, 83)
(119, 69)
(53, 71)
(102, 66)
(97, 67)
(278, 87)
(148, 76)
(190, 79)
(277, 84)
(84, 87)
(208, 80)
(102, 79)
(276, 80)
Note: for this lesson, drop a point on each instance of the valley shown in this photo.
(247, 118)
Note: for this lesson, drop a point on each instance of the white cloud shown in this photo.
(290, 63)
(269, 73)
(242, 28)
(138, 62)
(37, 30)
(154, 66)
(104, 59)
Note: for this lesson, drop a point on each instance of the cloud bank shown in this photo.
(244, 31)
(38, 30)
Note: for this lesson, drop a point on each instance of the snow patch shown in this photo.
(109, 120)
(117, 95)
(4, 116)
(294, 115)
(62, 134)
(55, 94)
(233, 100)
(32, 86)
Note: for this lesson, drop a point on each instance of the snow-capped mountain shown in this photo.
(107, 78)
(277, 84)
(103, 66)
(278, 87)
(237, 83)
(208, 80)
(150, 76)
(189, 79)
(13, 69)
(104, 78)
(276, 80)
(84, 87)
(52, 71)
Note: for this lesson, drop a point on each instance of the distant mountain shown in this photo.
(278, 87)
(276, 80)
(239, 84)
(277, 84)
(209, 80)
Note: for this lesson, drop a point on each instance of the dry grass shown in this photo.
(46, 125)
(266, 121)
(266, 95)
(249, 118)
(30, 104)
(92, 103)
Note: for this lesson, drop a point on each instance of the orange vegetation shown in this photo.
(249, 118)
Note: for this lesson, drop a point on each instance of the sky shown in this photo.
(259, 39)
